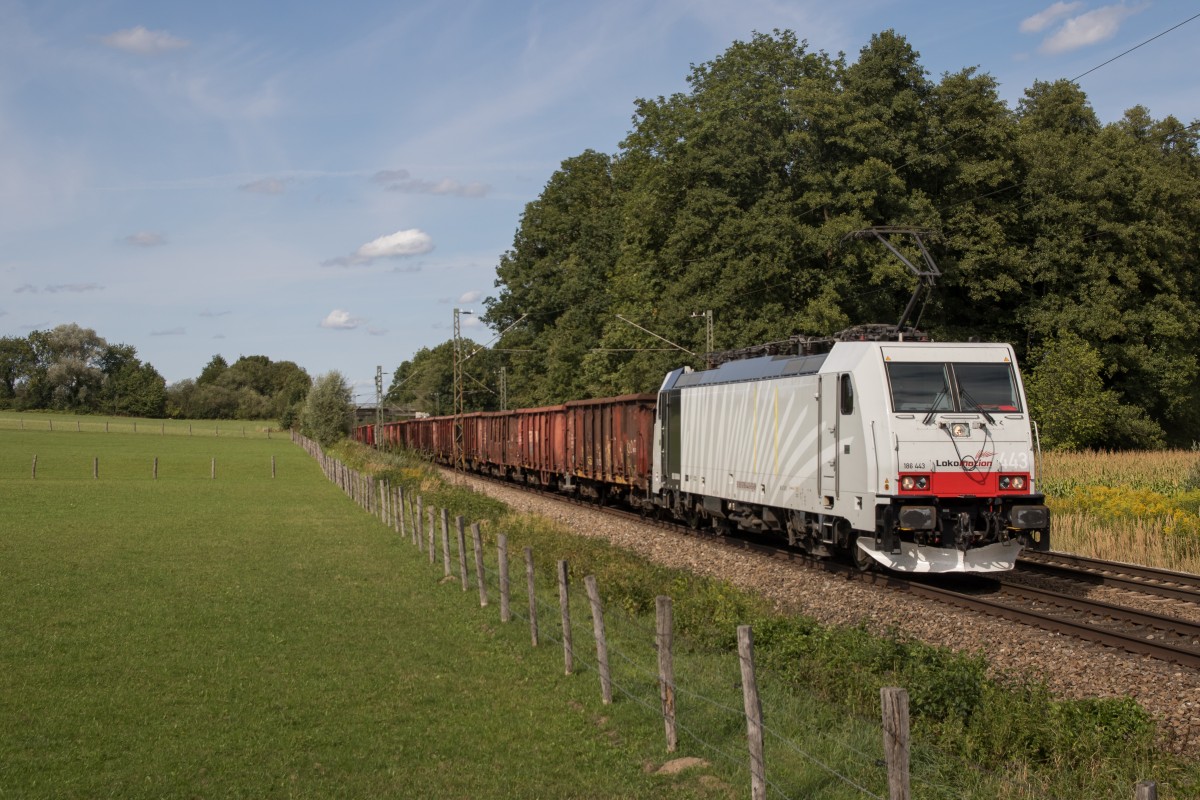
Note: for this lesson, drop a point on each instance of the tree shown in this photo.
(427, 381)
(213, 370)
(328, 411)
(74, 372)
(1068, 399)
(130, 386)
(17, 361)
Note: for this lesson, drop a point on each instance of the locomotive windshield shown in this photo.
(977, 387)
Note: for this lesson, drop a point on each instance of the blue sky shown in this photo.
(325, 182)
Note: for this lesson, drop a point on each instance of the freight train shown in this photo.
(911, 455)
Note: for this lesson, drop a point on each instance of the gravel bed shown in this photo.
(1072, 669)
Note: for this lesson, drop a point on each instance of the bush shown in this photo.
(328, 414)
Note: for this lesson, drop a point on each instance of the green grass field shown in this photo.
(258, 637)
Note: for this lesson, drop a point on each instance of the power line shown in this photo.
(1135, 47)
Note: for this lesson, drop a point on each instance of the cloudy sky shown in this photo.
(325, 182)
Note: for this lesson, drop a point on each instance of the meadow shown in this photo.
(257, 636)
(250, 636)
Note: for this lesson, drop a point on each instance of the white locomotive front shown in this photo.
(915, 455)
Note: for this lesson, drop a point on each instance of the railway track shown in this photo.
(1163, 637)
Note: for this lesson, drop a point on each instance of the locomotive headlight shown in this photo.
(1012, 482)
(908, 483)
(960, 430)
(914, 483)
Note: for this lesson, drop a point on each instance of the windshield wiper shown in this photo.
(975, 406)
(933, 408)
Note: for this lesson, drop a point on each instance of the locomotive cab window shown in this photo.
(962, 387)
(847, 394)
(986, 387)
(920, 387)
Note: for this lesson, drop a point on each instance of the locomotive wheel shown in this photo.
(862, 561)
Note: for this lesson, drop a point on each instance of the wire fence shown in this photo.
(261, 429)
(809, 747)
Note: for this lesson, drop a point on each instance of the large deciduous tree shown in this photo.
(328, 413)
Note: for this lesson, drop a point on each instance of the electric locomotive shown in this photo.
(917, 456)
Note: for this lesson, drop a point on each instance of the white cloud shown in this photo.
(1044, 19)
(445, 186)
(400, 180)
(386, 176)
(401, 244)
(411, 242)
(470, 297)
(143, 42)
(1087, 29)
(75, 287)
(145, 239)
(59, 287)
(266, 186)
(339, 319)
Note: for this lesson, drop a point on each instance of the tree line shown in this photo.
(1076, 241)
(70, 368)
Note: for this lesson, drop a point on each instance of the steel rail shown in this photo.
(1132, 577)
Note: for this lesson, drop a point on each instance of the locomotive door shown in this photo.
(829, 438)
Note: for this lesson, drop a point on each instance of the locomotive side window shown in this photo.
(989, 387)
(919, 387)
(847, 395)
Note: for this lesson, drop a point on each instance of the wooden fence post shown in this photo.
(895, 740)
(446, 540)
(401, 521)
(419, 523)
(533, 626)
(564, 603)
(754, 725)
(414, 518)
(34, 464)
(272, 466)
(665, 639)
(214, 469)
(477, 543)
(96, 467)
(432, 514)
(593, 594)
(459, 527)
(156, 468)
(502, 559)
(1146, 790)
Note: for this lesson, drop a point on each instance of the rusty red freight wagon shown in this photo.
(598, 448)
